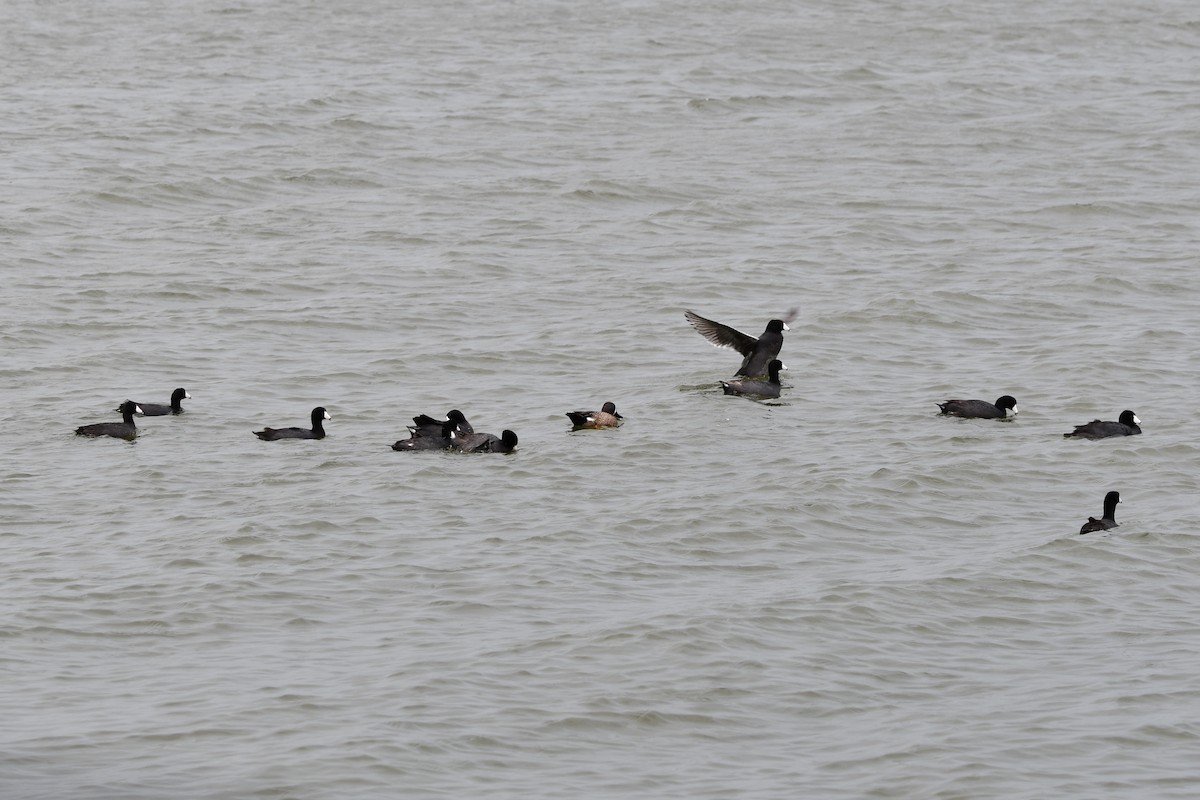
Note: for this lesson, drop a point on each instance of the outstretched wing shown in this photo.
(721, 335)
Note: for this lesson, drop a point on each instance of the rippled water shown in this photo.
(393, 209)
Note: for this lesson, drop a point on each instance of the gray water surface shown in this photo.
(393, 209)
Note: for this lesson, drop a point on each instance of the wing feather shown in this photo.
(719, 335)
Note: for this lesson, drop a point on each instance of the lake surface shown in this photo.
(390, 209)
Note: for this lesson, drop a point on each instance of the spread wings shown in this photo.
(721, 335)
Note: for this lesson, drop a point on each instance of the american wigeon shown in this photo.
(606, 417)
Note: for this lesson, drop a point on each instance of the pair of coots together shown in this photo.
(1127, 423)
(453, 433)
(758, 376)
(126, 428)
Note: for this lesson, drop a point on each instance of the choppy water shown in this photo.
(390, 209)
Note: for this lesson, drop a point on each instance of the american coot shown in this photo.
(160, 410)
(980, 409)
(1109, 520)
(506, 442)
(319, 415)
(606, 417)
(767, 388)
(1128, 425)
(429, 434)
(758, 352)
(425, 424)
(125, 429)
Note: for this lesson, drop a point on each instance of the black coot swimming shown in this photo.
(1128, 424)
(427, 433)
(758, 353)
(1109, 520)
(506, 442)
(160, 410)
(980, 409)
(425, 424)
(757, 388)
(319, 415)
(425, 436)
(606, 417)
(125, 429)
